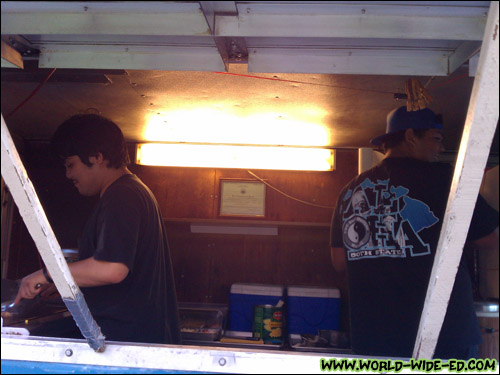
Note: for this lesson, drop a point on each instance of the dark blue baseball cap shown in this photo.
(400, 119)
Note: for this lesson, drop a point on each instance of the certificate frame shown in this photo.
(242, 198)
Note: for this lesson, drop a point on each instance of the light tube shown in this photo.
(230, 156)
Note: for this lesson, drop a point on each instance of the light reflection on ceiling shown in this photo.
(298, 127)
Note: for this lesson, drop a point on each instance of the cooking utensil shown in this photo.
(12, 311)
(8, 305)
(9, 310)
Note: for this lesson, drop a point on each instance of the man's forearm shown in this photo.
(91, 272)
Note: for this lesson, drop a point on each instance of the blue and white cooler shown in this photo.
(242, 301)
(311, 309)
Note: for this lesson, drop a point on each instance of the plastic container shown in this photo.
(311, 309)
(242, 301)
(200, 324)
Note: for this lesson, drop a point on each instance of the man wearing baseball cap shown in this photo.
(384, 233)
(420, 131)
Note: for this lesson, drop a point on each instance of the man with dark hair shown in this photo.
(124, 268)
(86, 135)
(384, 233)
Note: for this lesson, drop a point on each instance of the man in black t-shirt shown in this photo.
(124, 268)
(385, 231)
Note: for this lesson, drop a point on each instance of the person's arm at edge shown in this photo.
(92, 272)
(86, 273)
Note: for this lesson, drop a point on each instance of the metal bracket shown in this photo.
(21, 45)
(233, 50)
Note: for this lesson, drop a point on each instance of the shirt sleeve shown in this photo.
(118, 227)
(484, 220)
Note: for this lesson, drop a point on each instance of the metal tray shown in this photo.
(247, 341)
(297, 347)
(296, 344)
(240, 345)
(200, 324)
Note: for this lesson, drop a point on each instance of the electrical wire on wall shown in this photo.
(396, 95)
(289, 196)
(302, 82)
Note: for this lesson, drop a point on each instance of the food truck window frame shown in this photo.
(13, 343)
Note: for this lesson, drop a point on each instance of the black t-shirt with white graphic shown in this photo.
(388, 219)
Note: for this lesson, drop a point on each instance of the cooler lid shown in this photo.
(313, 292)
(257, 289)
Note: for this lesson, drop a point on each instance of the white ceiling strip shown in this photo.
(345, 61)
(462, 54)
(350, 26)
(133, 57)
(103, 18)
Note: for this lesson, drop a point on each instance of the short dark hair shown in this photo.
(86, 135)
(393, 140)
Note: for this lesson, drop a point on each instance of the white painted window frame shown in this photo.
(476, 141)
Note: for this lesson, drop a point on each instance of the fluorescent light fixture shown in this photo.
(242, 157)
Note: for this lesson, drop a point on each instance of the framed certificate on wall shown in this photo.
(242, 198)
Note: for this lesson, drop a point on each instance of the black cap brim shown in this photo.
(378, 141)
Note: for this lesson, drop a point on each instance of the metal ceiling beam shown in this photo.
(133, 57)
(103, 18)
(230, 26)
(462, 54)
(473, 61)
(212, 8)
(348, 61)
(231, 50)
(355, 21)
(271, 29)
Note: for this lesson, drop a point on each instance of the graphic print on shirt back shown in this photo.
(381, 220)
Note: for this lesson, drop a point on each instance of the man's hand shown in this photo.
(86, 273)
(31, 286)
